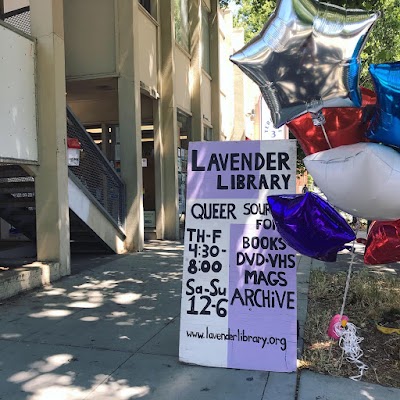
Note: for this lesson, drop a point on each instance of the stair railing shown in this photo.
(20, 19)
(96, 173)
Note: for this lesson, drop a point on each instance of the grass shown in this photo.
(371, 298)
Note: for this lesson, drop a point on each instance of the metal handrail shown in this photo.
(18, 11)
(19, 19)
(96, 173)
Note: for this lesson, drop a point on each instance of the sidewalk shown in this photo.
(110, 332)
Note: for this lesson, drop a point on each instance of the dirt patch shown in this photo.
(372, 299)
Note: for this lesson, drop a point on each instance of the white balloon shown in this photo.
(362, 179)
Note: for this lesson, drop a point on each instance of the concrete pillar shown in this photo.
(196, 68)
(216, 119)
(105, 149)
(51, 182)
(105, 141)
(130, 121)
(158, 170)
(237, 42)
(158, 144)
(168, 120)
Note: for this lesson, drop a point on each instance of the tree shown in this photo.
(383, 44)
(224, 3)
(253, 14)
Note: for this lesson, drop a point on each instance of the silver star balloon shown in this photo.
(307, 57)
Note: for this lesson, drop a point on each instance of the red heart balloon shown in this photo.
(344, 125)
(383, 243)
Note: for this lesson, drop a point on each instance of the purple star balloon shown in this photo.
(310, 225)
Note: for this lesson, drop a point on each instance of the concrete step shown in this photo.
(17, 187)
(12, 171)
(18, 202)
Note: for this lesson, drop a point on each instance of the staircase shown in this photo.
(17, 199)
(96, 192)
(96, 198)
(94, 185)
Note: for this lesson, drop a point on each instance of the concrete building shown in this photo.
(239, 94)
(252, 118)
(130, 81)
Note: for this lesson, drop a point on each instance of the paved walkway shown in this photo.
(110, 332)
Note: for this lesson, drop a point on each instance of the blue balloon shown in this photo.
(385, 123)
(310, 225)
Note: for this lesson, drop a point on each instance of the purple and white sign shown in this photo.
(239, 300)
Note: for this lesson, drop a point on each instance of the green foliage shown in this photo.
(382, 45)
(224, 3)
(300, 167)
(253, 14)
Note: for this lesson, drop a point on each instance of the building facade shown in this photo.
(139, 80)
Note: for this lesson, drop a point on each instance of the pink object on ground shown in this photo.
(331, 329)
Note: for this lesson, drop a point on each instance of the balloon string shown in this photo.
(326, 136)
(353, 254)
(349, 341)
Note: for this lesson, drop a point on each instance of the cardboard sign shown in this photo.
(239, 302)
(268, 131)
(149, 219)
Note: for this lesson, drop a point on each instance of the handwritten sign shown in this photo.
(239, 297)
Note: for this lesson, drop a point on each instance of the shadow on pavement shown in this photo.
(65, 340)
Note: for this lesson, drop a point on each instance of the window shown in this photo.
(205, 40)
(150, 6)
(185, 129)
(207, 133)
(182, 23)
(146, 4)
